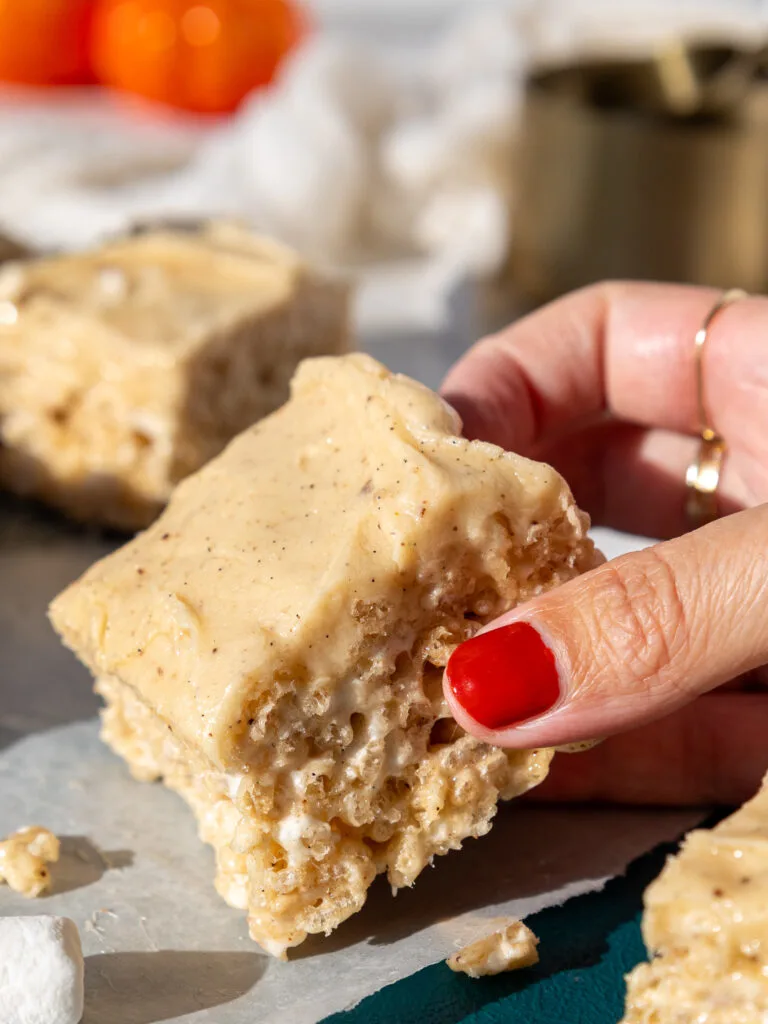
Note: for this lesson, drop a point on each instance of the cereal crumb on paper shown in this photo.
(24, 859)
(507, 949)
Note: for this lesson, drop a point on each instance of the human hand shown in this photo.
(601, 384)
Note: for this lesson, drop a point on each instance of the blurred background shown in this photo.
(462, 160)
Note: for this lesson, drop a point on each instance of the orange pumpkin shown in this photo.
(202, 55)
(45, 42)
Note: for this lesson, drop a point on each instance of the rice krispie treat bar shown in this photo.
(706, 923)
(273, 646)
(125, 369)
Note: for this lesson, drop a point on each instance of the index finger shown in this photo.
(619, 348)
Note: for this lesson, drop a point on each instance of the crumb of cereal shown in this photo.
(508, 949)
(580, 747)
(24, 859)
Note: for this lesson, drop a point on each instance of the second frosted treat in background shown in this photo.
(125, 369)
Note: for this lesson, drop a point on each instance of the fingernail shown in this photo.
(504, 677)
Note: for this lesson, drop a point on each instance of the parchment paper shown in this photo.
(161, 945)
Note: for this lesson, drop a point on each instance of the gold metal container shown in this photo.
(642, 170)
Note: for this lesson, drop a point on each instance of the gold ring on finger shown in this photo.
(702, 477)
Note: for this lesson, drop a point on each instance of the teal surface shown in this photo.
(587, 946)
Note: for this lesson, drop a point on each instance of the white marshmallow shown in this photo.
(41, 971)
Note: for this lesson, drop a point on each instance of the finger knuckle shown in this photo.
(641, 623)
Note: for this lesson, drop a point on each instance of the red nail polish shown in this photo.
(505, 676)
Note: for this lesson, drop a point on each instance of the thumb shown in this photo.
(622, 645)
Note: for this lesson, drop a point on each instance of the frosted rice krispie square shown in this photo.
(706, 925)
(125, 369)
(273, 646)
